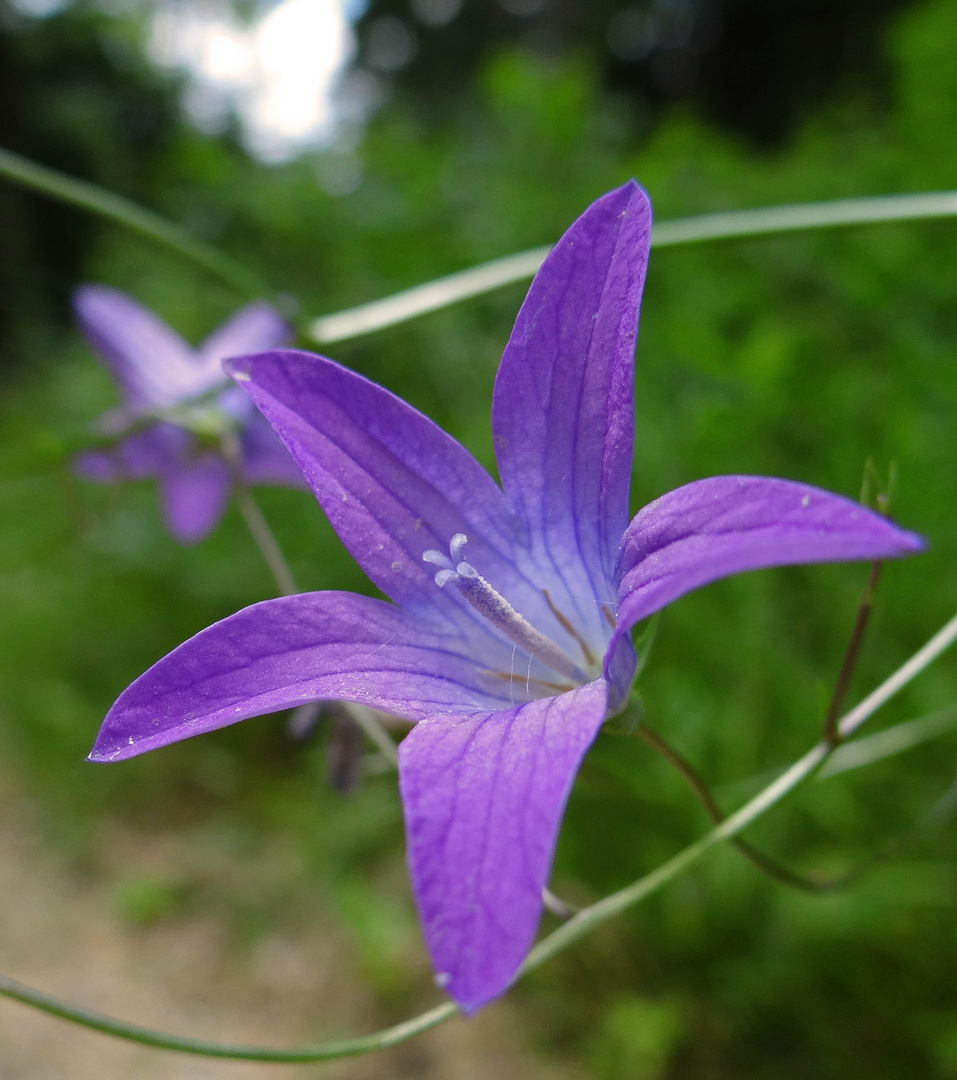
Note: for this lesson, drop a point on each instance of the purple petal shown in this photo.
(283, 652)
(254, 328)
(393, 485)
(236, 404)
(100, 466)
(562, 413)
(727, 524)
(484, 796)
(154, 450)
(265, 459)
(194, 497)
(152, 363)
(151, 452)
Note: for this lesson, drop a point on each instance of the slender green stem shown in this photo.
(489, 276)
(703, 793)
(567, 934)
(265, 540)
(588, 918)
(352, 322)
(420, 299)
(366, 719)
(942, 640)
(256, 523)
(122, 211)
(557, 906)
(801, 217)
(88, 1018)
(895, 740)
(263, 536)
(610, 906)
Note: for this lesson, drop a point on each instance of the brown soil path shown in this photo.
(59, 933)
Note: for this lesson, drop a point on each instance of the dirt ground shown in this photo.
(59, 933)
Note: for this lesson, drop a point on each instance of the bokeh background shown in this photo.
(221, 887)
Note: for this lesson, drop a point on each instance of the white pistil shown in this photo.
(499, 612)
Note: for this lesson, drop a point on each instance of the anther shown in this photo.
(457, 546)
(436, 558)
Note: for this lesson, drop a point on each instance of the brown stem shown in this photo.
(831, 734)
(707, 800)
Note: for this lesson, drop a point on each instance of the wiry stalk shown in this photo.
(264, 538)
(831, 733)
(566, 935)
(477, 280)
(136, 218)
(440, 293)
(765, 864)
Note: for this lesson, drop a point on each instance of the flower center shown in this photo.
(498, 611)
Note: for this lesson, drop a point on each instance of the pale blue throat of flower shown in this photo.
(492, 606)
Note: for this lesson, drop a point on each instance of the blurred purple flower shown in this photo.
(508, 639)
(161, 375)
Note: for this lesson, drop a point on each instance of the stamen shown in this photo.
(494, 607)
(544, 684)
(566, 625)
(609, 616)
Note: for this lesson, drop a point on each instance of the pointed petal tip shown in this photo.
(633, 194)
(98, 308)
(636, 191)
(480, 835)
(468, 1005)
(724, 525)
(92, 302)
(237, 368)
(887, 539)
(193, 498)
(104, 753)
(90, 293)
(241, 368)
(117, 740)
(79, 297)
(470, 998)
(912, 543)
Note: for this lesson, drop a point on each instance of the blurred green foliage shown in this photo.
(635, 1038)
(801, 356)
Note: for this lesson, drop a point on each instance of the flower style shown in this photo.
(507, 639)
(161, 376)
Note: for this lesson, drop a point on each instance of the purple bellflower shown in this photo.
(507, 639)
(161, 376)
